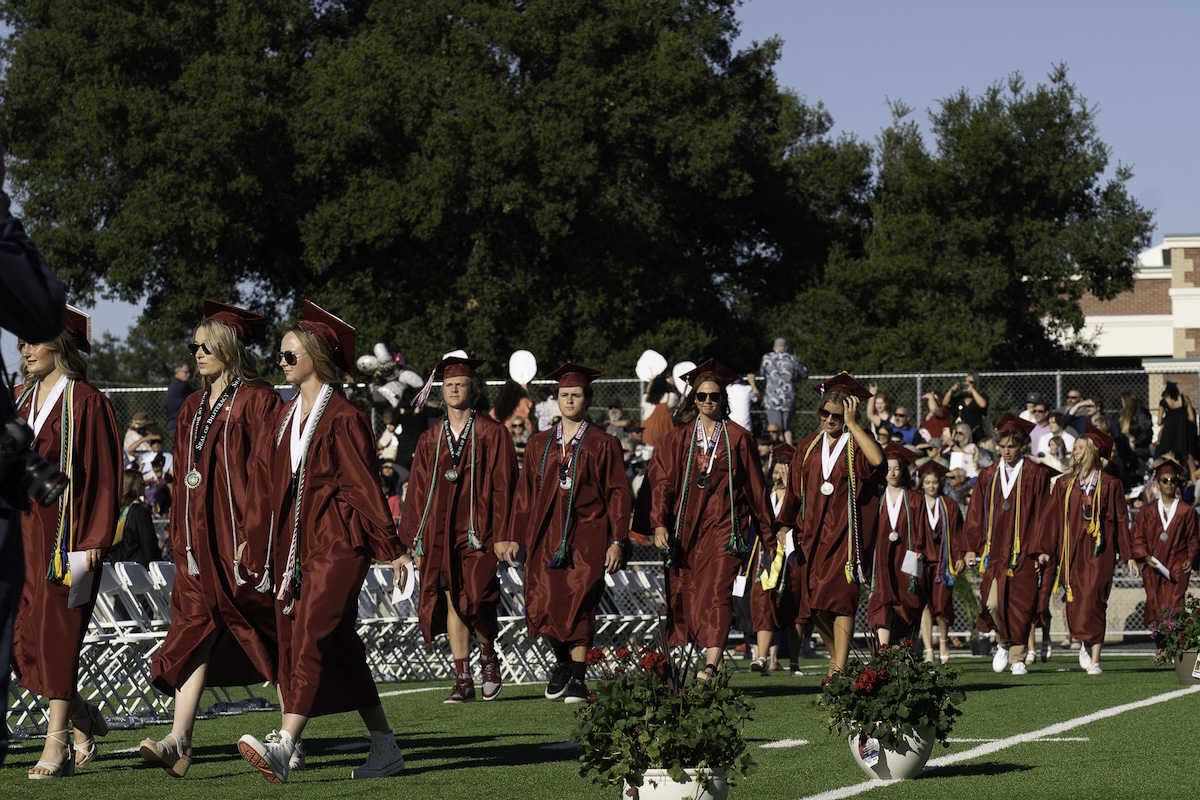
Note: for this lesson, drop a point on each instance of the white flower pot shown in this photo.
(658, 785)
(897, 760)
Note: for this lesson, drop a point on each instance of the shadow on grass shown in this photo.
(974, 770)
(460, 752)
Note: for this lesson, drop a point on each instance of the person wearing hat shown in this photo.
(222, 630)
(1001, 530)
(942, 521)
(138, 436)
(775, 590)
(705, 481)
(75, 430)
(1086, 528)
(779, 370)
(459, 504)
(831, 503)
(1166, 538)
(903, 551)
(326, 520)
(571, 513)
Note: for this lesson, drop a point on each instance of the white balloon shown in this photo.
(367, 363)
(650, 365)
(522, 366)
(382, 353)
(410, 378)
(681, 369)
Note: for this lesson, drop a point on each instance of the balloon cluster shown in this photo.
(389, 376)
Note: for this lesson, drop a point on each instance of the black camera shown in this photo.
(44, 482)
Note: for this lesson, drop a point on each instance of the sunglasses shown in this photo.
(704, 397)
(1039, 411)
(288, 357)
(1166, 481)
(826, 415)
(196, 347)
(900, 416)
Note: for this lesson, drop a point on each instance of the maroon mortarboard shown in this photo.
(932, 467)
(246, 324)
(570, 374)
(1103, 442)
(900, 453)
(844, 382)
(709, 368)
(1165, 467)
(456, 367)
(79, 325)
(783, 453)
(334, 334)
(1011, 422)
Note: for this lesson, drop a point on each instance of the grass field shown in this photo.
(514, 746)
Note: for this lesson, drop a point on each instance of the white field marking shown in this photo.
(1003, 744)
(1044, 739)
(784, 743)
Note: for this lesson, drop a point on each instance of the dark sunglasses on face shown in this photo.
(1166, 481)
(838, 417)
(704, 397)
(288, 357)
(196, 347)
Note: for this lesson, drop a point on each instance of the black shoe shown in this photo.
(576, 692)
(559, 677)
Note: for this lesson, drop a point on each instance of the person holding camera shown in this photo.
(74, 427)
(33, 306)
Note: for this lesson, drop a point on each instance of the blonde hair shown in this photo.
(67, 358)
(323, 366)
(835, 396)
(1092, 461)
(223, 342)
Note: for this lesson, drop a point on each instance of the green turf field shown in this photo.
(513, 747)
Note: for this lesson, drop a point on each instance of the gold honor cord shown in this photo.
(59, 569)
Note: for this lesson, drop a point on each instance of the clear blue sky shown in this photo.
(1134, 62)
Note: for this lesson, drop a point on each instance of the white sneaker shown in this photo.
(1019, 668)
(271, 758)
(1085, 658)
(296, 762)
(1030, 657)
(385, 758)
(1094, 669)
(1000, 660)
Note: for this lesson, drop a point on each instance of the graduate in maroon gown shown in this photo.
(831, 503)
(222, 628)
(707, 486)
(943, 526)
(76, 431)
(1002, 529)
(1166, 535)
(776, 591)
(903, 554)
(1086, 525)
(459, 503)
(329, 520)
(571, 512)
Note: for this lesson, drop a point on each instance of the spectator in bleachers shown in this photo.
(779, 370)
(69, 416)
(903, 427)
(329, 522)
(966, 402)
(147, 457)
(214, 610)
(1032, 401)
(135, 539)
(1040, 417)
(137, 437)
(1056, 425)
(958, 487)
(740, 394)
(936, 419)
(571, 512)
(879, 409)
(1136, 424)
(177, 391)
(657, 406)
(1177, 427)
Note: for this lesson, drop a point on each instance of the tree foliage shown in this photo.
(981, 247)
(581, 180)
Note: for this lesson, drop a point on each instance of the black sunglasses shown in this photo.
(826, 415)
(1168, 480)
(288, 357)
(703, 397)
(196, 347)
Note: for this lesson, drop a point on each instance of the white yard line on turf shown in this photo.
(1011, 741)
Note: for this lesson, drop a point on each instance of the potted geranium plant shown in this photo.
(648, 727)
(892, 707)
(1177, 634)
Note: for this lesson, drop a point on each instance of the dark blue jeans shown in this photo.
(12, 576)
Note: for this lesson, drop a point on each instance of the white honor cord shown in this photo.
(1008, 477)
(300, 436)
(1166, 516)
(893, 507)
(933, 509)
(828, 458)
(39, 419)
